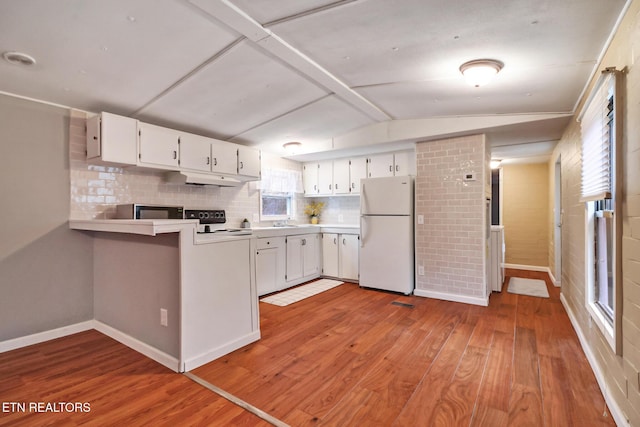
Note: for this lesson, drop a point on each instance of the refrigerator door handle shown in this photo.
(362, 229)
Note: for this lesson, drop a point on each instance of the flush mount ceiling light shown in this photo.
(479, 72)
(292, 147)
(19, 58)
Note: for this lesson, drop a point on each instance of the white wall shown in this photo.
(46, 269)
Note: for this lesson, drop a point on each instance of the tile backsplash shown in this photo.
(97, 189)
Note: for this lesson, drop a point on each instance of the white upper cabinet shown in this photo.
(124, 141)
(404, 163)
(195, 152)
(249, 162)
(224, 157)
(357, 171)
(380, 165)
(325, 178)
(310, 178)
(112, 139)
(341, 174)
(391, 164)
(158, 146)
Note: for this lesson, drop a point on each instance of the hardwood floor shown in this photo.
(345, 357)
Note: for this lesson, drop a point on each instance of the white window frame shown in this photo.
(291, 207)
(611, 330)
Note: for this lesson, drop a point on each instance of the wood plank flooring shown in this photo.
(345, 357)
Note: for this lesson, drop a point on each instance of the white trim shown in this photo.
(137, 345)
(527, 267)
(39, 337)
(484, 301)
(215, 353)
(616, 411)
(556, 282)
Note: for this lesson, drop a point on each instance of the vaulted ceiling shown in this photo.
(338, 76)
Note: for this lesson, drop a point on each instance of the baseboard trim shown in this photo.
(215, 353)
(616, 411)
(547, 270)
(39, 337)
(451, 297)
(137, 345)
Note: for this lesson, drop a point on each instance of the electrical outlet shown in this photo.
(256, 218)
(420, 219)
(164, 317)
(341, 218)
(421, 270)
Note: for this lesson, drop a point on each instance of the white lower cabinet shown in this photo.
(303, 258)
(340, 256)
(270, 264)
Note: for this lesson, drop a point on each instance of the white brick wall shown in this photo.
(450, 244)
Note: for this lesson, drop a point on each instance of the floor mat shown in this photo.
(532, 287)
(301, 292)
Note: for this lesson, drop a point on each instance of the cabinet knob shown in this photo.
(335, 241)
(215, 161)
(175, 154)
(241, 165)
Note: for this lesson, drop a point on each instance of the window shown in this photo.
(275, 207)
(600, 140)
(277, 193)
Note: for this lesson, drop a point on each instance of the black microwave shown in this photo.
(138, 211)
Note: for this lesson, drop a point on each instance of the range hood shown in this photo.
(196, 178)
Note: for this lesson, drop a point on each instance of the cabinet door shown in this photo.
(380, 165)
(310, 178)
(349, 247)
(310, 254)
(267, 279)
(325, 177)
(330, 254)
(341, 181)
(224, 157)
(112, 139)
(158, 146)
(294, 258)
(249, 162)
(404, 163)
(357, 171)
(195, 152)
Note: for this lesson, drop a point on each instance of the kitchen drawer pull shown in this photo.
(344, 241)
(390, 168)
(208, 160)
(215, 161)
(397, 168)
(241, 165)
(175, 154)
(335, 241)
(304, 242)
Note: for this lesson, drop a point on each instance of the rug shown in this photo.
(532, 287)
(301, 292)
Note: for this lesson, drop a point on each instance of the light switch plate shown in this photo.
(164, 317)
(420, 219)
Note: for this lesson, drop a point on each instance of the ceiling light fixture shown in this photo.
(19, 58)
(479, 72)
(292, 147)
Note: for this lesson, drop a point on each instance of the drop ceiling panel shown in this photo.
(239, 90)
(315, 122)
(388, 42)
(510, 93)
(114, 54)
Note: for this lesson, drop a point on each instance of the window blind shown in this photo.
(598, 129)
(281, 181)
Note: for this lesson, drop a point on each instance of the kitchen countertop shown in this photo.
(149, 227)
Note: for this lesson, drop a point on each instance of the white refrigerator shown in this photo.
(386, 234)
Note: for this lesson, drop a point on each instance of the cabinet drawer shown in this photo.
(269, 242)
